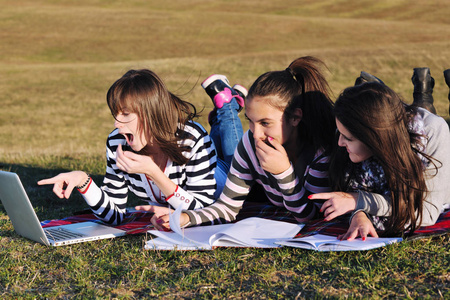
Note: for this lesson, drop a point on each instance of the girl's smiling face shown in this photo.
(357, 150)
(266, 121)
(128, 125)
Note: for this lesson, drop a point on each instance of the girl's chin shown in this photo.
(355, 160)
(136, 148)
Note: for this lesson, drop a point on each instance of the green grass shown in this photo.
(57, 60)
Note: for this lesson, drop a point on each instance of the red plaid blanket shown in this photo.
(139, 222)
(134, 222)
(334, 227)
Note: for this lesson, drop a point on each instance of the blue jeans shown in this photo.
(226, 132)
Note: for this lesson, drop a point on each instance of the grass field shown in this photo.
(57, 60)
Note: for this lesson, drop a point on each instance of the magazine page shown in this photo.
(255, 232)
(192, 238)
(174, 220)
(180, 239)
(159, 243)
(320, 242)
(311, 242)
(251, 232)
(358, 244)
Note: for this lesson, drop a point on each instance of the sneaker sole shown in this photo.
(241, 89)
(213, 78)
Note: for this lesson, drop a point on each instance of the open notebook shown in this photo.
(321, 242)
(251, 232)
(26, 223)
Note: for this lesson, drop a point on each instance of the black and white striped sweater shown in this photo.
(195, 180)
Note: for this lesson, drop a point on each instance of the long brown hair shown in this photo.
(376, 115)
(162, 115)
(301, 85)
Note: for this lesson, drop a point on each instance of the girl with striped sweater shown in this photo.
(286, 150)
(157, 151)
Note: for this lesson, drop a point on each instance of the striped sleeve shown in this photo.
(237, 186)
(195, 180)
(109, 202)
(284, 190)
(315, 180)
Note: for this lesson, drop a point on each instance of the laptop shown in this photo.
(26, 223)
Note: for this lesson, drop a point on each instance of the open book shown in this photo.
(251, 232)
(322, 242)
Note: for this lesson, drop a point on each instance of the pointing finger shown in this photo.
(46, 181)
(321, 196)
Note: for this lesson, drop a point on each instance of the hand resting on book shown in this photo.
(359, 226)
(161, 218)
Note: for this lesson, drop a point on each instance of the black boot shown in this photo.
(366, 77)
(447, 81)
(423, 89)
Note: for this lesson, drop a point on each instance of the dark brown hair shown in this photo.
(162, 115)
(303, 86)
(375, 115)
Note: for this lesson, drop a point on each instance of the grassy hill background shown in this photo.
(58, 59)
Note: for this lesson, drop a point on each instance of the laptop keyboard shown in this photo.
(58, 234)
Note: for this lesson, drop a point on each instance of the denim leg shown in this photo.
(226, 130)
(221, 176)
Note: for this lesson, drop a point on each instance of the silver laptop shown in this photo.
(26, 223)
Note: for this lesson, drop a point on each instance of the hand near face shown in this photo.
(64, 183)
(273, 158)
(359, 226)
(133, 163)
(337, 204)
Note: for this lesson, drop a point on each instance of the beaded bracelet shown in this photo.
(80, 187)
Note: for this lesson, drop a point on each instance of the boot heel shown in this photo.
(447, 81)
(366, 77)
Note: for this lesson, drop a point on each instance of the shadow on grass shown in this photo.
(46, 204)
